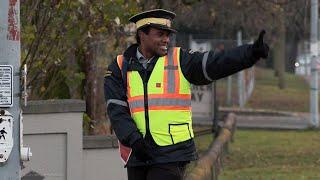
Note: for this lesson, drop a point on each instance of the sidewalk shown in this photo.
(265, 119)
(273, 122)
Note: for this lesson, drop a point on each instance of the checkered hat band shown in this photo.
(160, 21)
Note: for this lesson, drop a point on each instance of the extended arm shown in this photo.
(203, 68)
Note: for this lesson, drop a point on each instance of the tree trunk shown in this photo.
(291, 53)
(89, 83)
(280, 53)
(73, 83)
(95, 103)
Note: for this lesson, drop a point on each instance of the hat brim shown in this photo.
(159, 26)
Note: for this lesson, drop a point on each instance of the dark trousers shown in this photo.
(168, 171)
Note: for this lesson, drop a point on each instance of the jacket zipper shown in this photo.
(146, 109)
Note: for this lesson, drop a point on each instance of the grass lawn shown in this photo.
(261, 154)
(267, 95)
(267, 154)
(202, 143)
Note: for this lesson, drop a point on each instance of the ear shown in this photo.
(142, 35)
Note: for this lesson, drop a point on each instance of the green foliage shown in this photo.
(190, 2)
(203, 142)
(76, 81)
(86, 124)
(273, 155)
(54, 30)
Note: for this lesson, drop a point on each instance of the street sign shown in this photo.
(6, 89)
(6, 138)
(201, 102)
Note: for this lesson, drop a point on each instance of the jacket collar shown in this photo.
(130, 55)
(131, 52)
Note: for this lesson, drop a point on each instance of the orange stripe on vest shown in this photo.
(135, 110)
(176, 72)
(167, 96)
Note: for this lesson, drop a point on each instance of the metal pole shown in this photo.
(240, 76)
(10, 92)
(215, 110)
(314, 72)
(305, 59)
(229, 90)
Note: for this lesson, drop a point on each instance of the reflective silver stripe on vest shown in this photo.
(170, 69)
(204, 66)
(136, 104)
(118, 102)
(160, 102)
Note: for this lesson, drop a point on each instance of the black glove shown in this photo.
(141, 150)
(259, 48)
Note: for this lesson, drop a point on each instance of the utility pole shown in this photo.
(240, 75)
(11, 150)
(314, 112)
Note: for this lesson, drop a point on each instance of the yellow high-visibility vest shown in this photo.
(169, 100)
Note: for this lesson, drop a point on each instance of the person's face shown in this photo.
(156, 41)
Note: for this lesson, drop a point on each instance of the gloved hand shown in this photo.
(141, 150)
(259, 48)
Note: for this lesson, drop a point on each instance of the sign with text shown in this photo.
(6, 95)
(202, 105)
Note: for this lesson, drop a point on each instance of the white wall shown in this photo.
(103, 164)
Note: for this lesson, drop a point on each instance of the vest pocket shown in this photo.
(179, 132)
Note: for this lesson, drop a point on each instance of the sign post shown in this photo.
(314, 105)
(10, 109)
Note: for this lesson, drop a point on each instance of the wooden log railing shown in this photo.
(209, 165)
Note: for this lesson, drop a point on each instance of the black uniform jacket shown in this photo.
(217, 65)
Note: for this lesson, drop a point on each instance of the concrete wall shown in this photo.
(101, 159)
(53, 131)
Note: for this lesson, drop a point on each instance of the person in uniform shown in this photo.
(148, 96)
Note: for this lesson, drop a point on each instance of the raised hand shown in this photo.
(259, 48)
